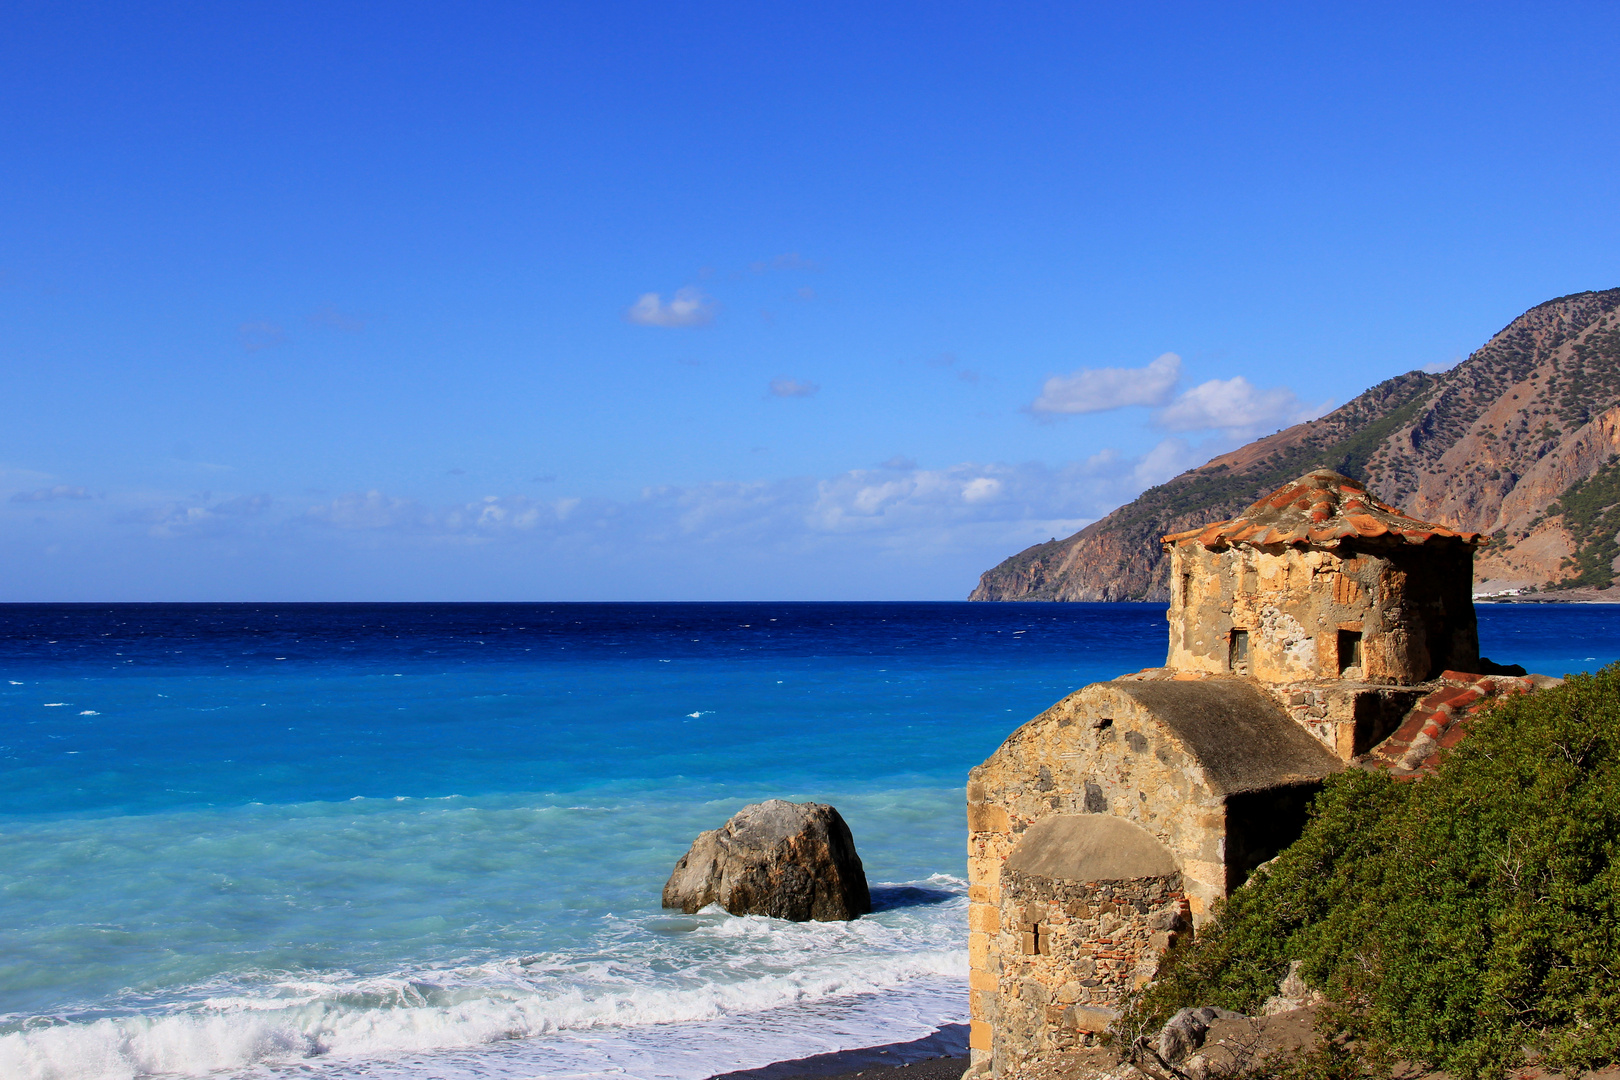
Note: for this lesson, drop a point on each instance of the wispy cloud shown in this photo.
(1092, 390)
(894, 527)
(791, 261)
(782, 386)
(1171, 457)
(199, 515)
(688, 307)
(1237, 407)
(50, 494)
(951, 363)
(331, 318)
(896, 501)
(370, 510)
(260, 335)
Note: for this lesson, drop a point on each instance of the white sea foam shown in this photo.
(709, 969)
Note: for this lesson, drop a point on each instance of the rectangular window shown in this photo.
(1238, 652)
(1186, 587)
(1349, 650)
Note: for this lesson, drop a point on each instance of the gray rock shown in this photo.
(1292, 993)
(1088, 1018)
(788, 860)
(1185, 1031)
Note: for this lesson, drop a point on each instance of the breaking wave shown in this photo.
(707, 968)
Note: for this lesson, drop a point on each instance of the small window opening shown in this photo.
(1238, 652)
(1038, 940)
(1186, 587)
(1349, 650)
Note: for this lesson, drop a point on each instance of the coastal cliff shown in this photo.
(1521, 441)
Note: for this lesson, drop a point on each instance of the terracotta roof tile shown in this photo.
(1320, 508)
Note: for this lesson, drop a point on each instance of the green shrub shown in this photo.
(1460, 919)
(1591, 512)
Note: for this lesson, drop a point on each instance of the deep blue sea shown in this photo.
(400, 840)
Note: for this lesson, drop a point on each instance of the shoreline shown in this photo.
(942, 1055)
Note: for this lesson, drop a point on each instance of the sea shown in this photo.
(428, 840)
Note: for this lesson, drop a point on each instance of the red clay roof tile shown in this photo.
(1320, 508)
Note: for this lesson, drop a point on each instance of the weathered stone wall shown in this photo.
(1347, 718)
(1071, 952)
(1195, 777)
(1412, 607)
(1095, 752)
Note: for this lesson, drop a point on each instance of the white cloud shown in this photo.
(890, 530)
(369, 510)
(490, 515)
(1238, 407)
(200, 515)
(989, 509)
(926, 505)
(981, 489)
(782, 386)
(1172, 457)
(1092, 390)
(688, 307)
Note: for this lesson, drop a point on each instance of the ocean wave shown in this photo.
(741, 966)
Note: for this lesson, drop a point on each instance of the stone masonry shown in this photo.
(1210, 773)
(1322, 581)
(1071, 950)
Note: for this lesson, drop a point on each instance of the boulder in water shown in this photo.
(788, 860)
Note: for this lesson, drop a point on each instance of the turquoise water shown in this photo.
(429, 840)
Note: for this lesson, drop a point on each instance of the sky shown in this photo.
(624, 301)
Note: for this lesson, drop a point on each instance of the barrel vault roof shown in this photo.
(1238, 733)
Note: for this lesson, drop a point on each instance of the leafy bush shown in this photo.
(1459, 919)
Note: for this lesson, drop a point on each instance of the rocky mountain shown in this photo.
(1520, 441)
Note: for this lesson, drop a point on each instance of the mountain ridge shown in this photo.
(1498, 444)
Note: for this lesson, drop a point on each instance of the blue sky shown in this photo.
(632, 301)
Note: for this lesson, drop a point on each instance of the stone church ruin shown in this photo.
(1319, 630)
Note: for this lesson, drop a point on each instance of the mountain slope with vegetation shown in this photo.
(1516, 441)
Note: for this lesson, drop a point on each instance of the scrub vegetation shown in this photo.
(1459, 922)
(1591, 513)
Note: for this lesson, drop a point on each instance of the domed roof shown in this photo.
(1320, 509)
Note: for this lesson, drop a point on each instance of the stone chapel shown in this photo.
(1316, 630)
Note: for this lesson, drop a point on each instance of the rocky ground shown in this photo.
(1232, 1049)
